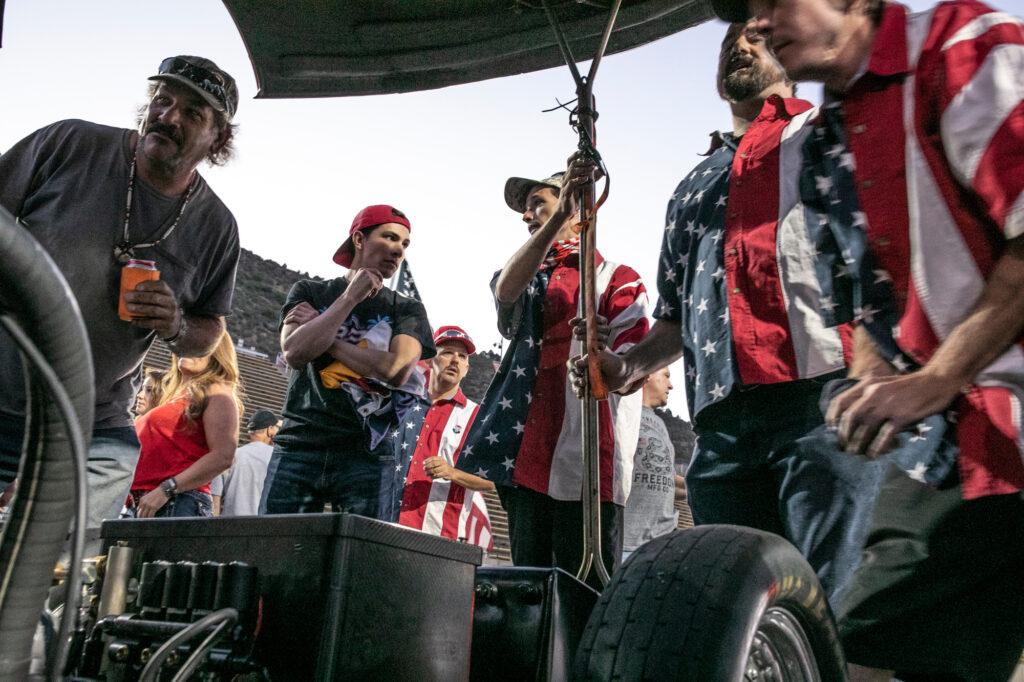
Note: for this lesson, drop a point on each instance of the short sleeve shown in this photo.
(23, 166)
(411, 320)
(625, 307)
(299, 293)
(217, 485)
(670, 274)
(215, 297)
(977, 95)
(509, 316)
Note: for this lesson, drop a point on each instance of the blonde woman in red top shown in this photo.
(190, 437)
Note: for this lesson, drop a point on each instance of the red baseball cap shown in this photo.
(371, 216)
(452, 333)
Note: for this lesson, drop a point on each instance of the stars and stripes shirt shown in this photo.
(528, 432)
(936, 128)
(737, 269)
(441, 507)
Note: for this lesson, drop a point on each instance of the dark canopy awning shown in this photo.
(325, 48)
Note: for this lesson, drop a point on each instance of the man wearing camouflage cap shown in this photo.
(97, 197)
(527, 437)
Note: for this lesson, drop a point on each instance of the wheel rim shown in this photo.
(780, 651)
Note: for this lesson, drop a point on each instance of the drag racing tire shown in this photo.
(712, 604)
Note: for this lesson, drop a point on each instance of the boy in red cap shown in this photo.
(430, 501)
(354, 345)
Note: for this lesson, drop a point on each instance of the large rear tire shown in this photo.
(712, 604)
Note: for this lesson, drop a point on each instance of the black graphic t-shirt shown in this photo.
(319, 411)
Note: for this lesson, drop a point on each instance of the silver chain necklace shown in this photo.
(124, 250)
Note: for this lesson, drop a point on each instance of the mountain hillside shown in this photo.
(262, 287)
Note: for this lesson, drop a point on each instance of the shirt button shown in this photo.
(859, 128)
(731, 251)
(734, 215)
(882, 241)
(735, 290)
(867, 184)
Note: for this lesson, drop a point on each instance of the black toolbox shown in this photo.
(342, 595)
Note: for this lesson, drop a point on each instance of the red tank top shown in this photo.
(170, 444)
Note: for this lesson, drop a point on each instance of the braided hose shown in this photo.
(35, 296)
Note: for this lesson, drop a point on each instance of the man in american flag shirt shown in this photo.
(438, 498)
(740, 303)
(918, 164)
(527, 437)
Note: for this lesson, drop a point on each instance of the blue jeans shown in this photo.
(748, 469)
(110, 468)
(190, 503)
(301, 481)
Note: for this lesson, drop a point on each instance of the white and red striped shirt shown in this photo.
(936, 127)
(440, 507)
(550, 453)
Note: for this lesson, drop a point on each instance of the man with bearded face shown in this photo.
(95, 197)
(738, 302)
(917, 169)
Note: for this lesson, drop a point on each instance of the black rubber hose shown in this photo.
(34, 293)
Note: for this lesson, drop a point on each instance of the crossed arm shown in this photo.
(438, 467)
(307, 334)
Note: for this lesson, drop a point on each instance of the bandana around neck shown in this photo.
(560, 251)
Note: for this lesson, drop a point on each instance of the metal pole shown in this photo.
(591, 485)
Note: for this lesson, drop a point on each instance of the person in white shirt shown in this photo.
(650, 509)
(242, 485)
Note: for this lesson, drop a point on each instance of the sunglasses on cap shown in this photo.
(205, 79)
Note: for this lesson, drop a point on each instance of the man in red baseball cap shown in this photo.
(354, 345)
(430, 501)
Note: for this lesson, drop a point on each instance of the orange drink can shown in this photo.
(132, 274)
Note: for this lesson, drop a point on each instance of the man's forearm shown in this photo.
(866, 362)
(383, 365)
(471, 482)
(309, 341)
(995, 323)
(200, 336)
(662, 346)
(524, 263)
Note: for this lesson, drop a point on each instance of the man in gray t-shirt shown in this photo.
(242, 484)
(95, 197)
(650, 509)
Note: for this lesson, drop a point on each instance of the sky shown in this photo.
(305, 167)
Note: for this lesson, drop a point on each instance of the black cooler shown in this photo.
(342, 595)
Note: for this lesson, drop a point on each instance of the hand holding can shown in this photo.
(134, 273)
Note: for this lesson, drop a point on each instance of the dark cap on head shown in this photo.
(733, 11)
(262, 419)
(518, 189)
(208, 80)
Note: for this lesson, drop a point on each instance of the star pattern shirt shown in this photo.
(440, 507)
(528, 432)
(934, 134)
(737, 270)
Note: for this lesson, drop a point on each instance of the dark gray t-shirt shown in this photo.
(67, 183)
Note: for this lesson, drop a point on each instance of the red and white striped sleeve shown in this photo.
(625, 306)
(980, 94)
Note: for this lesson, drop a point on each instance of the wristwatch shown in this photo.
(170, 486)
